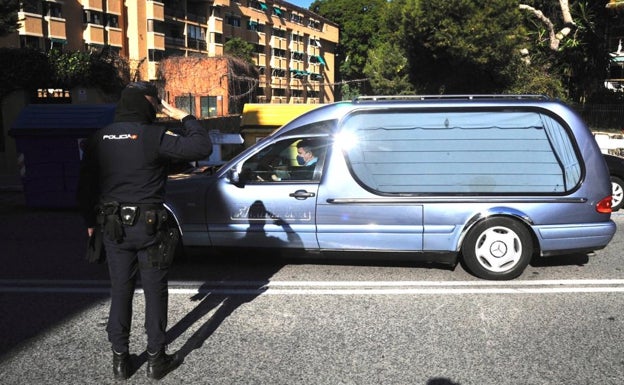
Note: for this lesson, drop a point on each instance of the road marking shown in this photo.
(330, 287)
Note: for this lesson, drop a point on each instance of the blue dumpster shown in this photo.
(49, 140)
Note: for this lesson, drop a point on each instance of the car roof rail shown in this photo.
(447, 97)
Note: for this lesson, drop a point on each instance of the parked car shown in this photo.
(616, 171)
(490, 181)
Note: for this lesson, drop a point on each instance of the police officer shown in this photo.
(121, 192)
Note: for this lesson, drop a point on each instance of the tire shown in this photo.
(617, 193)
(497, 248)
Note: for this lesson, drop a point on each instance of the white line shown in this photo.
(403, 291)
(269, 283)
(331, 287)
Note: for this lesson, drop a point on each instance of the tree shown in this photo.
(568, 39)
(23, 69)
(387, 69)
(239, 48)
(8, 16)
(454, 46)
(359, 22)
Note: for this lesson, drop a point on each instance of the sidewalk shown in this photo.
(11, 194)
(10, 183)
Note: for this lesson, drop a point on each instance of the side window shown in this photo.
(288, 160)
(483, 152)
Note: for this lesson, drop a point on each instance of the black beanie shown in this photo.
(133, 106)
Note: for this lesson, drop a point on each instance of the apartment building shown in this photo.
(294, 47)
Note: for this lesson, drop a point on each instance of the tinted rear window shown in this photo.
(460, 152)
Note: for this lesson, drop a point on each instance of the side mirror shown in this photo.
(233, 176)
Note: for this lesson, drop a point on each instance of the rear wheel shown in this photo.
(617, 193)
(497, 249)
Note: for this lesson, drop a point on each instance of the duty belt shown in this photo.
(129, 213)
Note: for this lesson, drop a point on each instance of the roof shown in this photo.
(62, 119)
(272, 115)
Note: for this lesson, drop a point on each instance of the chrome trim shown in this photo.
(438, 199)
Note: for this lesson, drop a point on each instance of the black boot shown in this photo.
(161, 363)
(121, 365)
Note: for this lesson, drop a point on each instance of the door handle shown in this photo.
(301, 194)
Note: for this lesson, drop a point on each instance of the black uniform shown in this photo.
(125, 165)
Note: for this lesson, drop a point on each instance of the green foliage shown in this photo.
(360, 23)
(31, 69)
(239, 48)
(23, 69)
(8, 16)
(455, 47)
(388, 71)
(581, 61)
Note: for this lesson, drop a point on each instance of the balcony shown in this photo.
(115, 37)
(155, 10)
(94, 34)
(56, 28)
(30, 24)
(115, 6)
(175, 41)
(156, 41)
(93, 4)
(197, 44)
(175, 13)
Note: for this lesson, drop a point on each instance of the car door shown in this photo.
(270, 204)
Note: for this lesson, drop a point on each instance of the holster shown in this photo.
(109, 219)
(161, 253)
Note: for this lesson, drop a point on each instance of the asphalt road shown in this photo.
(237, 320)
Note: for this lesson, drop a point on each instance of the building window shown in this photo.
(234, 21)
(300, 56)
(262, 70)
(279, 73)
(260, 48)
(255, 26)
(30, 42)
(315, 42)
(92, 17)
(279, 52)
(186, 103)
(112, 20)
(208, 105)
(197, 33)
(296, 18)
(314, 24)
(157, 26)
(279, 92)
(279, 33)
(55, 10)
(32, 6)
(155, 55)
(57, 44)
(258, 5)
(297, 38)
(216, 38)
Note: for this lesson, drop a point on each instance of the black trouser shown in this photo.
(125, 259)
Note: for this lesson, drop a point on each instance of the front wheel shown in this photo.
(497, 249)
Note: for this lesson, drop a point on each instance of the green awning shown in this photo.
(263, 6)
(277, 11)
(321, 60)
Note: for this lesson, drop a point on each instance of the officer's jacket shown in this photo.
(126, 162)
